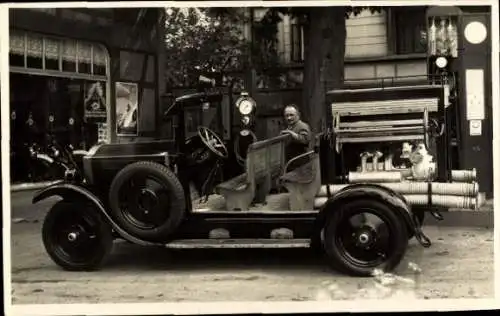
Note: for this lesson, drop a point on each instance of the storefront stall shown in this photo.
(82, 76)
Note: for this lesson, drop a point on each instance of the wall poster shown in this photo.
(95, 100)
(126, 108)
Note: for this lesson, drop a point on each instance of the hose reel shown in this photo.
(384, 129)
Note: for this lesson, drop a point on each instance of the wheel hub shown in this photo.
(73, 236)
(364, 237)
(147, 200)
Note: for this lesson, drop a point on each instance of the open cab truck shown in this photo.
(358, 196)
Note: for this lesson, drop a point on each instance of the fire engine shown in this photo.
(359, 195)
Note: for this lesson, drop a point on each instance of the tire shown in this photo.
(84, 254)
(317, 243)
(338, 255)
(169, 213)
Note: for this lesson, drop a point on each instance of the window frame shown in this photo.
(142, 84)
(296, 26)
(392, 36)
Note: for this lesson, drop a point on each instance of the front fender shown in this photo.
(370, 191)
(72, 192)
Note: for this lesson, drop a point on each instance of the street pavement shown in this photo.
(459, 264)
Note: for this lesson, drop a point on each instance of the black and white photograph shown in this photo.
(330, 156)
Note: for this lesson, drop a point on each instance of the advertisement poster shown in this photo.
(95, 100)
(126, 108)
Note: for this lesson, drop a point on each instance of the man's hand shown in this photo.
(290, 132)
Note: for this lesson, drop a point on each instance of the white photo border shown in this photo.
(238, 307)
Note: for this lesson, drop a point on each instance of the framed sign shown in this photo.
(127, 109)
(95, 100)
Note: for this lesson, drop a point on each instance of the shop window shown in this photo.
(16, 60)
(69, 56)
(52, 48)
(297, 36)
(406, 26)
(99, 60)
(32, 51)
(84, 58)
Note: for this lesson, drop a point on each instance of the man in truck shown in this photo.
(299, 131)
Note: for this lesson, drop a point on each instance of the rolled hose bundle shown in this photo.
(456, 175)
(375, 176)
(450, 201)
(408, 187)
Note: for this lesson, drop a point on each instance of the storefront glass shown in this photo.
(59, 89)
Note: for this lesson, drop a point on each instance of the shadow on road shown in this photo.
(135, 258)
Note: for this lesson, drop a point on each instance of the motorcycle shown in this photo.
(60, 161)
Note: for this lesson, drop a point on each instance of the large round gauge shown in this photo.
(245, 107)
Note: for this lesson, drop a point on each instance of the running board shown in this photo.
(237, 243)
(255, 212)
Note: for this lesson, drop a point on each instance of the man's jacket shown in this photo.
(303, 144)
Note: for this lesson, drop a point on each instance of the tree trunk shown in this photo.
(325, 35)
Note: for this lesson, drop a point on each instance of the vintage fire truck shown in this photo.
(359, 195)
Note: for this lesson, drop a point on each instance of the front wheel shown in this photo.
(364, 235)
(76, 237)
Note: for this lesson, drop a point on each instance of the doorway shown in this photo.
(44, 107)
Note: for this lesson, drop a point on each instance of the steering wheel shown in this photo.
(197, 154)
(213, 142)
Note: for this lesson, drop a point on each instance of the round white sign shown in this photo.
(475, 32)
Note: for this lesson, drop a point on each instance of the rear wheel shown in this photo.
(76, 237)
(364, 235)
(147, 200)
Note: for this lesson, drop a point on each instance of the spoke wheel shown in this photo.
(76, 237)
(364, 235)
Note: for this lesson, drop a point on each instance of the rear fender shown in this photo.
(369, 191)
(73, 192)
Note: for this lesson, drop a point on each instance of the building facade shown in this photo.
(83, 76)
(387, 47)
